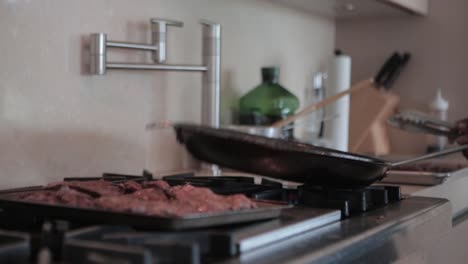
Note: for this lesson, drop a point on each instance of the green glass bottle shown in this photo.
(268, 102)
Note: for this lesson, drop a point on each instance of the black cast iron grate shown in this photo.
(349, 201)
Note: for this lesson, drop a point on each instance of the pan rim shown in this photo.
(274, 143)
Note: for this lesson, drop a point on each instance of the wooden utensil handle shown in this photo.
(356, 87)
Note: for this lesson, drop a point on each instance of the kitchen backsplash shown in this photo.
(58, 121)
(438, 46)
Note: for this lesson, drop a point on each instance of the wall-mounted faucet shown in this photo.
(211, 65)
(159, 33)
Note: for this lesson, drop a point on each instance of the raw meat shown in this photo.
(150, 194)
(74, 198)
(197, 200)
(130, 186)
(93, 188)
(157, 184)
(64, 195)
(39, 196)
(131, 204)
(150, 198)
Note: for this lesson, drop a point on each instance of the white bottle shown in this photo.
(438, 108)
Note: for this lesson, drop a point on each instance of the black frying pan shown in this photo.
(283, 159)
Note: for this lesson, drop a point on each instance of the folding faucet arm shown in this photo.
(159, 36)
(167, 22)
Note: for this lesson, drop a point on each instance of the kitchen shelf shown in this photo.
(355, 9)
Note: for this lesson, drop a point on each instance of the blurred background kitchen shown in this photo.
(57, 119)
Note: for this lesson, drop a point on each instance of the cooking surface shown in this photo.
(179, 207)
(208, 244)
(429, 173)
(374, 237)
(314, 230)
(301, 234)
(280, 159)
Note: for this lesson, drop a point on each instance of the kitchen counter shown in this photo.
(396, 232)
(454, 189)
(446, 246)
(450, 248)
(412, 231)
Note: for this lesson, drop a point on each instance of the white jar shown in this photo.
(438, 108)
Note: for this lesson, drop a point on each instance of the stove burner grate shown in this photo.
(349, 201)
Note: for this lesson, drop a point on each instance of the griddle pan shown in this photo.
(286, 160)
(12, 206)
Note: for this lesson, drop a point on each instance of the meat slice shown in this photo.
(198, 200)
(239, 201)
(175, 201)
(39, 196)
(93, 188)
(157, 184)
(154, 198)
(125, 203)
(130, 186)
(150, 194)
(64, 195)
(132, 204)
(72, 197)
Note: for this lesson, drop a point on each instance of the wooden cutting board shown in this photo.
(369, 111)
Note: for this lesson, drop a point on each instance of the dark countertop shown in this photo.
(380, 236)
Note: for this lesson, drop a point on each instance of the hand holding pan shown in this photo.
(287, 160)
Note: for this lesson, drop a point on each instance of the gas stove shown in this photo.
(348, 201)
(316, 209)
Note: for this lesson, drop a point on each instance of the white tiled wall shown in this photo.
(57, 121)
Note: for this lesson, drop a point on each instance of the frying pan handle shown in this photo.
(432, 155)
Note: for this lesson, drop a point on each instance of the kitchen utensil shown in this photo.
(371, 108)
(391, 69)
(269, 131)
(286, 160)
(413, 121)
(266, 131)
(387, 69)
(430, 172)
(431, 155)
(404, 59)
(265, 210)
(369, 111)
(361, 85)
(277, 128)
